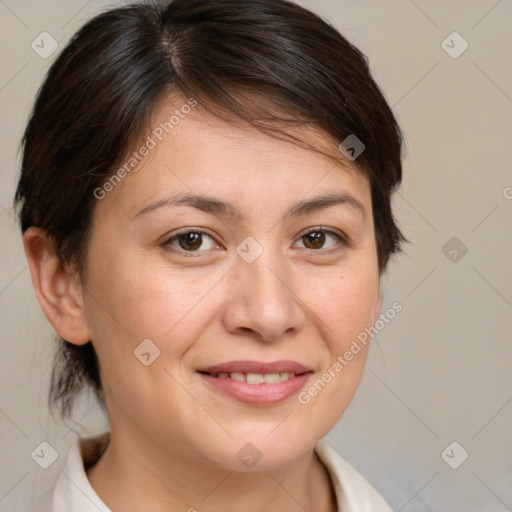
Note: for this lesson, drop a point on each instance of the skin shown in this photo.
(174, 438)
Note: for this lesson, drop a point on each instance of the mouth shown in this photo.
(254, 378)
(256, 383)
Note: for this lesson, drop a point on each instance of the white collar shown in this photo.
(353, 492)
(73, 490)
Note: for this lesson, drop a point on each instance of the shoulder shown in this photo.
(353, 491)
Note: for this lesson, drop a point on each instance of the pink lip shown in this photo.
(257, 367)
(258, 394)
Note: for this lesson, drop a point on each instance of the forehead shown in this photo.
(186, 149)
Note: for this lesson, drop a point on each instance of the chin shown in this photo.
(252, 453)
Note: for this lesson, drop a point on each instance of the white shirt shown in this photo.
(73, 492)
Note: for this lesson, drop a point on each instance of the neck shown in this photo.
(147, 476)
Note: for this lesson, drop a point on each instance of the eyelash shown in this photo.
(319, 229)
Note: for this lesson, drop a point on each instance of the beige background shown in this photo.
(441, 370)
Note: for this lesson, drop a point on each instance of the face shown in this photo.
(254, 282)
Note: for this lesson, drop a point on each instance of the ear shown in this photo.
(57, 289)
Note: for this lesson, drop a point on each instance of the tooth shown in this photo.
(255, 378)
(222, 375)
(284, 376)
(271, 378)
(291, 376)
(240, 377)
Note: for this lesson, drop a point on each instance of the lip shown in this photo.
(257, 367)
(257, 394)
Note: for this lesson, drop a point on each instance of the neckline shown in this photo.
(92, 447)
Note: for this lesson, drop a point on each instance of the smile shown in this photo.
(255, 378)
(255, 383)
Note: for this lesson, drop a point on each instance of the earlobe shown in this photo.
(57, 289)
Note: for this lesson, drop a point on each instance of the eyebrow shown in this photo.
(221, 208)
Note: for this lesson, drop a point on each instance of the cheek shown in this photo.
(132, 301)
(133, 304)
(345, 305)
(345, 309)
(172, 310)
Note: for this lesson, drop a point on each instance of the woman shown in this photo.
(205, 207)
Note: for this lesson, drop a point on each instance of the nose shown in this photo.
(263, 302)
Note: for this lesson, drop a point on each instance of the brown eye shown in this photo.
(314, 240)
(318, 238)
(191, 241)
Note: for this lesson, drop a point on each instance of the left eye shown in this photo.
(316, 238)
(191, 241)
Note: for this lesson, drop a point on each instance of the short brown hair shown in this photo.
(99, 95)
